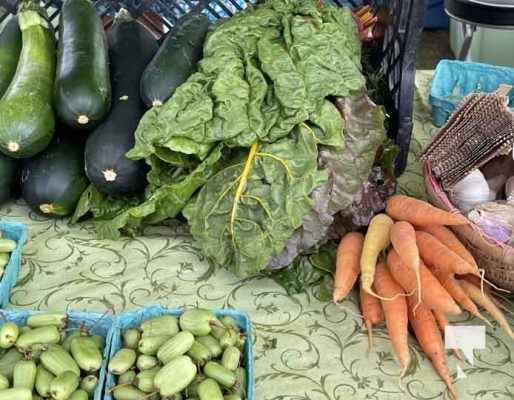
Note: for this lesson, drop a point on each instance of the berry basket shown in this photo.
(95, 323)
(394, 53)
(454, 80)
(133, 319)
(17, 232)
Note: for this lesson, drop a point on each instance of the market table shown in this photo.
(304, 348)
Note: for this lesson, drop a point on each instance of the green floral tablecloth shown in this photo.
(305, 349)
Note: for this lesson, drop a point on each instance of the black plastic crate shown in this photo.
(394, 55)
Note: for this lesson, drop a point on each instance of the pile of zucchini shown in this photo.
(44, 359)
(195, 356)
(89, 88)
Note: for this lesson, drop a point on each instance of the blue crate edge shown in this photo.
(133, 318)
(102, 325)
(17, 232)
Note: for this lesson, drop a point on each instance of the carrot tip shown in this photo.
(402, 374)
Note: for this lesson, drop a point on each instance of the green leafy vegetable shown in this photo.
(264, 71)
(349, 168)
(245, 213)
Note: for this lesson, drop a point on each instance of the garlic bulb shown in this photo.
(496, 219)
(470, 191)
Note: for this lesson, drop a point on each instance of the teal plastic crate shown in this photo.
(454, 80)
(132, 319)
(17, 232)
(98, 324)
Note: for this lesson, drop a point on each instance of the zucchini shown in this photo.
(82, 89)
(175, 60)
(10, 47)
(131, 47)
(53, 181)
(8, 178)
(26, 113)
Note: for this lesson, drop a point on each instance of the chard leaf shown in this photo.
(246, 212)
(264, 71)
(349, 169)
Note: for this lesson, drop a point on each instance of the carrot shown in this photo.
(376, 240)
(372, 312)
(403, 239)
(454, 289)
(488, 289)
(419, 212)
(347, 264)
(483, 300)
(443, 322)
(395, 314)
(446, 236)
(434, 295)
(425, 329)
(437, 256)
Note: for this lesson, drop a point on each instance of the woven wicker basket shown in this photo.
(495, 257)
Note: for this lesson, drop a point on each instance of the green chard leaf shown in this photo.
(349, 169)
(246, 212)
(264, 71)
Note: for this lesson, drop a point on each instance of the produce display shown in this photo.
(195, 355)
(45, 358)
(260, 132)
(414, 271)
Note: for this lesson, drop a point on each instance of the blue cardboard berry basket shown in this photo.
(132, 319)
(454, 80)
(95, 323)
(17, 232)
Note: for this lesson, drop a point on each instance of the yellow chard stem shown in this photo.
(241, 185)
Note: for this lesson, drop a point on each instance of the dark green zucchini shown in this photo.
(27, 118)
(131, 47)
(82, 89)
(8, 178)
(10, 47)
(53, 180)
(175, 60)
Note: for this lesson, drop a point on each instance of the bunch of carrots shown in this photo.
(414, 270)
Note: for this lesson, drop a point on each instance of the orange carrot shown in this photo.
(437, 256)
(443, 322)
(347, 264)
(434, 295)
(376, 240)
(425, 329)
(372, 312)
(403, 239)
(395, 313)
(454, 289)
(419, 212)
(446, 236)
(483, 300)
